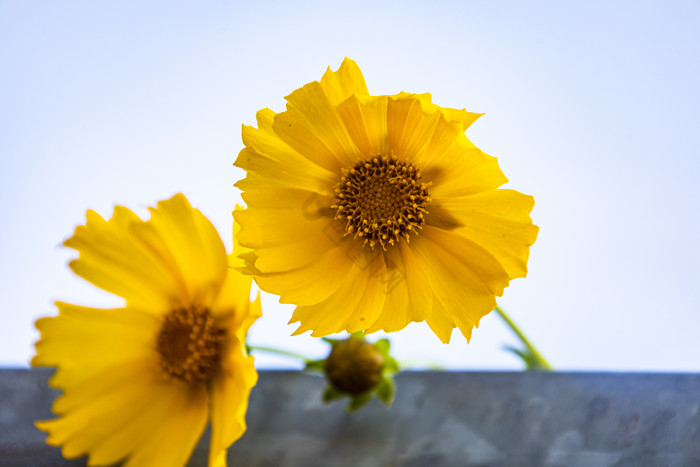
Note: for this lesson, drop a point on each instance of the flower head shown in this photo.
(358, 369)
(371, 212)
(140, 382)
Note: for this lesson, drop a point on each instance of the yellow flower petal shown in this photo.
(140, 425)
(298, 254)
(356, 303)
(231, 302)
(365, 119)
(312, 126)
(194, 246)
(173, 441)
(395, 312)
(419, 293)
(299, 210)
(112, 258)
(176, 257)
(499, 221)
(110, 400)
(463, 170)
(373, 298)
(232, 307)
(409, 128)
(229, 402)
(465, 278)
(441, 323)
(314, 283)
(260, 231)
(345, 82)
(82, 341)
(267, 155)
(462, 117)
(409, 297)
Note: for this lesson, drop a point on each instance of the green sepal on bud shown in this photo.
(357, 369)
(315, 365)
(331, 394)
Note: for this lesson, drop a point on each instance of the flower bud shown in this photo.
(358, 370)
(354, 365)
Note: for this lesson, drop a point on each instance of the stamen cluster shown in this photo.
(189, 344)
(381, 200)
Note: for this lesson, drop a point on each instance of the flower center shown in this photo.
(381, 200)
(189, 345)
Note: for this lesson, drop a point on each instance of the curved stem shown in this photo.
(286, 353)
(535, 353)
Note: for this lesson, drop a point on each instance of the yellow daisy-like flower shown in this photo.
(371, 212)
(140, 382)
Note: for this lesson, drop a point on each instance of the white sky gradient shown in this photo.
(591, 107)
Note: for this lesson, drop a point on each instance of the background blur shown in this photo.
(592, 107)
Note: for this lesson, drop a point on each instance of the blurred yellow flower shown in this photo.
(140, 382)
(371, 212)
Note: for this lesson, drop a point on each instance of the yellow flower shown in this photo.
(140, 382)
(371, 212)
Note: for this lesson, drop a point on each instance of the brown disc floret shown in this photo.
(189, 344)
(381, 200)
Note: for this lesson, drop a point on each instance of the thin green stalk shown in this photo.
(544, 364)
(420, 366)
(286, 353)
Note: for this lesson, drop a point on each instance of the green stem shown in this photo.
(538, 356)
(286, 353)
(420, 366)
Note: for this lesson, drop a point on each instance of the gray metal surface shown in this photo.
(438, 419)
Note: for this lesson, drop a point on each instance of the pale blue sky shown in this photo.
(592, 107)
